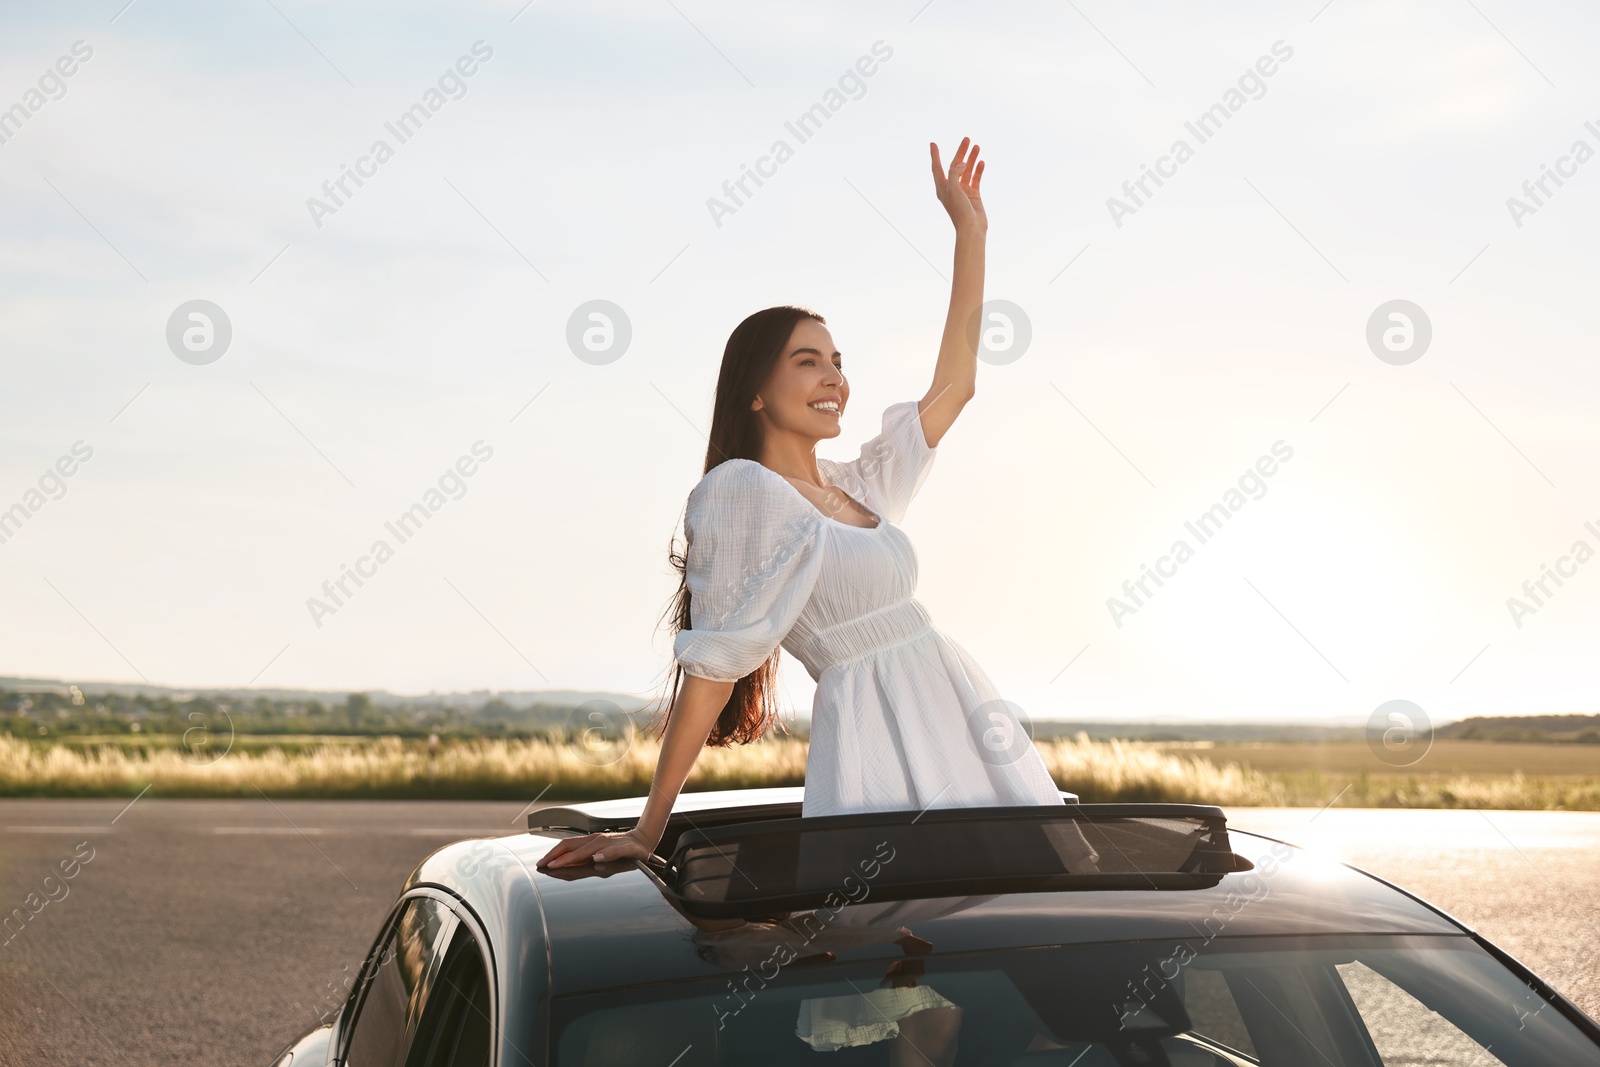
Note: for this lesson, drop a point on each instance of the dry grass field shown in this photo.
(1454, 774)
(1444, 758)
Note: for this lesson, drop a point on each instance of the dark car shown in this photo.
(1080, 935)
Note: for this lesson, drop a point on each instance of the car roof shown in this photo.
(609, 925)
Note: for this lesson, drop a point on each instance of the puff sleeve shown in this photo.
(893, 465)
(755, 549)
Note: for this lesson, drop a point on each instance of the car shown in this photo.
(1089, 935)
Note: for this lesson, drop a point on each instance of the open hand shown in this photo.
(957, 189)
(603, 847)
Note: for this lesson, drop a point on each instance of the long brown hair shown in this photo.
(753, 349)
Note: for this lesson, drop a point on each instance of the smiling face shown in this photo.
(806, 392)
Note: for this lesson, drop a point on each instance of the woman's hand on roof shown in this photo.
(597, 848)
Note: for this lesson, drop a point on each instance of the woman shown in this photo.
(787, 549)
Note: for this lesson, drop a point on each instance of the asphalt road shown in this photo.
(215, 931)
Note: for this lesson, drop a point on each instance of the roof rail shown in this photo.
(786, 864)
(617, 814)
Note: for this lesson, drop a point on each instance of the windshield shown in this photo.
(1323, 1001)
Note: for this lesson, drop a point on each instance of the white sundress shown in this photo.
(903, 717)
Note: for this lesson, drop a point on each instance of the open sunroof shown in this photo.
(776, 865)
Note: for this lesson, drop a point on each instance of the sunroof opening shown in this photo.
(786, 864)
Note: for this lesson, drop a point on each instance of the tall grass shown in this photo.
(567, 769)
(385, 768)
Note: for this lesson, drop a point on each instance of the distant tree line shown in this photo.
(66, 712)
(1514, 734)
(44, 714)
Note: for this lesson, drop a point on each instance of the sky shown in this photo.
(386, 338)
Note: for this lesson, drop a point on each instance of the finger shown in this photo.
(977, 178)
(560, 846)
(954, 182)
(938, 167)
(592, 848)
(961, 156)
(968, 165)
(567, 849)
(574, 857)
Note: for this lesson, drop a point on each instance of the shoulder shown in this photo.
(745, 485)
(735, 478)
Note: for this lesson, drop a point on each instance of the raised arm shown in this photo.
(955, 375)
(700, 701)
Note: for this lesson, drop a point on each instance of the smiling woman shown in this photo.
(788, 550)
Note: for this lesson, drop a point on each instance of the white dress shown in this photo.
(903, 717)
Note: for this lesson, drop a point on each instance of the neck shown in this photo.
(790, 454)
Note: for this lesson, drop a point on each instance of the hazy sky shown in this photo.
(380, 336)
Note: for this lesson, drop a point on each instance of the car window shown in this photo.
(455, 1026)
(1403, 1029)
(394, 985)
(1331, 1000)
(1213, 1013)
